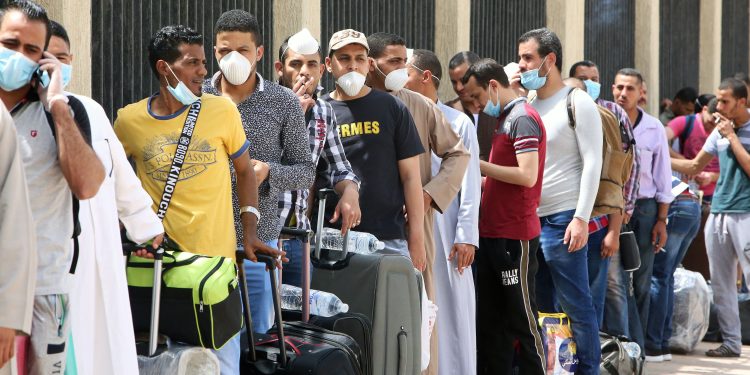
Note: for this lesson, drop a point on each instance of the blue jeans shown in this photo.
(684, 223)
(229, 356)
(259, 290)
(563, 277)
(400, 245)
(620, 310)
(292, 272)
(642, 222)
(598, 267)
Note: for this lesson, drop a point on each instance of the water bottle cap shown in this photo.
(344, 308)
(379, 245)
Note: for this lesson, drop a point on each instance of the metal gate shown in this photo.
(121, 30)
(413, 20)
(679, 36)
(496, 26)
(734, 37)
(609, 38)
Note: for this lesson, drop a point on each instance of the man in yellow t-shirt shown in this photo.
(199, 216)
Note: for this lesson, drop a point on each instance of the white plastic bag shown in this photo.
(429, 315)
(180, 360)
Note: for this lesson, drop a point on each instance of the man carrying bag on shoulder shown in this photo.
(182, 143)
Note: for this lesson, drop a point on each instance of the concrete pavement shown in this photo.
(697, 363)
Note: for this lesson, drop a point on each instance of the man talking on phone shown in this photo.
(59, 164)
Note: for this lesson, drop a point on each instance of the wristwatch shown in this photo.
(251, 210)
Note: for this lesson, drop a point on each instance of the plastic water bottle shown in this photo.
(359, 242)
(321, 303)
(633, 350)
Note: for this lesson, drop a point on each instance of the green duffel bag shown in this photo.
(200, 297)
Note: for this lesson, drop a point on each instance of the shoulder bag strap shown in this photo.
(179, 158)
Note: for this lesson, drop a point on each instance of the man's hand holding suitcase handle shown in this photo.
(144, 252)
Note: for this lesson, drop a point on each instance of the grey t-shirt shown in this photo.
(50, 197)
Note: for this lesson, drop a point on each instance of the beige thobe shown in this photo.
(17, 236)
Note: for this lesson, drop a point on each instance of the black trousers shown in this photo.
(506, 307)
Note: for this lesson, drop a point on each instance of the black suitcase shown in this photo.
(294, 347)
(356, 325)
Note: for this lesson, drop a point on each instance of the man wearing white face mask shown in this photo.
(300, 68)
(382, 145)
(59, 164)
(388, 73)
(274, 124)
(101, 322)
(572, 169)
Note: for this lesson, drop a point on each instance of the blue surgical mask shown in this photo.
(531, 80)
(181, 92)
(593, 88)
(492, 109)
(16, 69)
(67, 74)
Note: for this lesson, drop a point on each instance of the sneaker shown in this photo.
(722, 351)
(667, 354)
(654, 356)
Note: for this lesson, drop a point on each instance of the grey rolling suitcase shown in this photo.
(168, 358)
(384, 287)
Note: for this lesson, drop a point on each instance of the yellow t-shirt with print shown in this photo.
(200, 217)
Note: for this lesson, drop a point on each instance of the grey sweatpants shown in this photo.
(728, 242)
(50, 329)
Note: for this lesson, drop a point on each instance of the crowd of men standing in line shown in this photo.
(518, 148)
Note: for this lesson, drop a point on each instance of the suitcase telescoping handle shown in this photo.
(322, 196)
(270, 266)
(246, 305)
(304, 236)
(153, 335)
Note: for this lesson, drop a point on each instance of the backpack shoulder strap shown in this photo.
(79, 115)
(84, 126)
(571, 109)
(689, 121)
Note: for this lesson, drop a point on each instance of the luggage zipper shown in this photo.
(166, 265)
(205, 279)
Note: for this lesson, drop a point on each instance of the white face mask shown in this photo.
(235, 68)
(351, 83)
(395, 80)
(303, 42)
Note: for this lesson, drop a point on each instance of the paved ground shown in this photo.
(697, 363)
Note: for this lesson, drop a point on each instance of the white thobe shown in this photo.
(459, 223)
(100, 309)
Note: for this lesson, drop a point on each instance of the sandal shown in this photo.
(722, 351)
